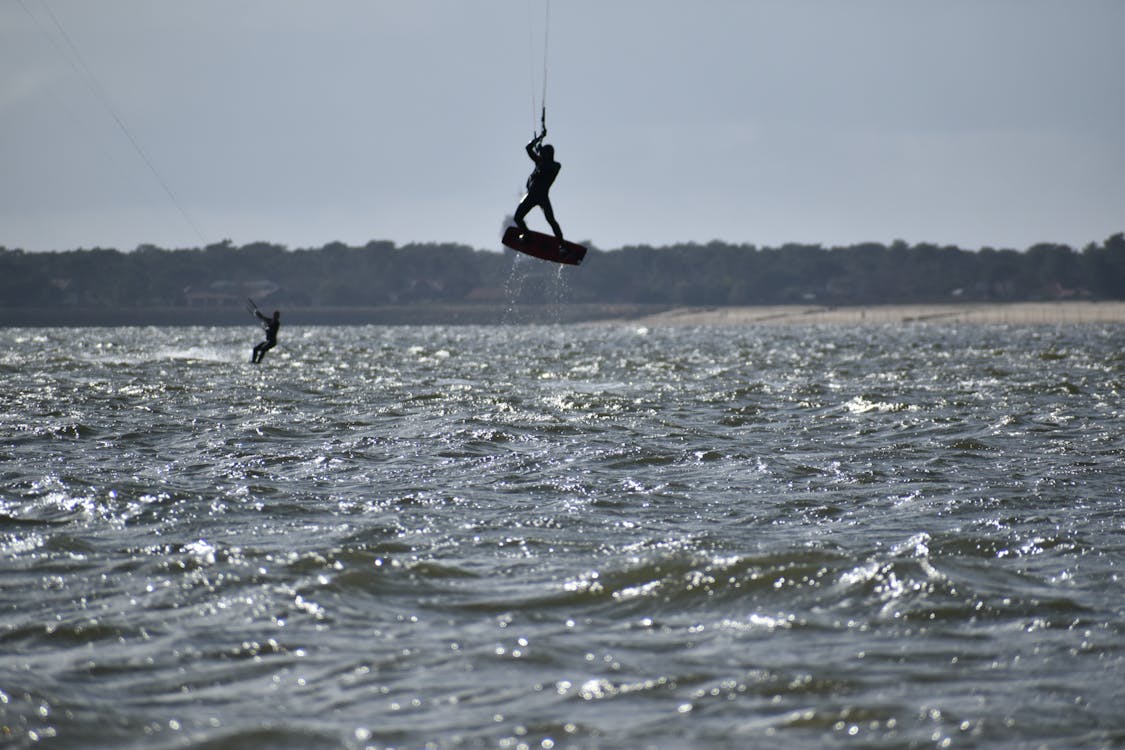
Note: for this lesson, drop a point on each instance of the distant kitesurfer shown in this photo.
(539, 183)
(270, 325)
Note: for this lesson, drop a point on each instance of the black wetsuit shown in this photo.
(539, 186)
(270, 325)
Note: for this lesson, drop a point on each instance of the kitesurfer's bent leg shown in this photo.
(549, 212)
(261, 349)
(526, 204)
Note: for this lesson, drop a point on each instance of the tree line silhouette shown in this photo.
(713, 274)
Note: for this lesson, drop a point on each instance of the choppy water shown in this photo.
(546, 537)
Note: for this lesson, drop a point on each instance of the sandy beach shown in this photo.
(1021, 313)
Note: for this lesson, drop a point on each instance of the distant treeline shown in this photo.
(381, 274)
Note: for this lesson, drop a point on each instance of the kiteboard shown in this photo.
(544, 246)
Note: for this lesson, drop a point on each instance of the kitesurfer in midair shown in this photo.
(539, 183)
(270, 325)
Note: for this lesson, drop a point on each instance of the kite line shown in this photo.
(78, 64)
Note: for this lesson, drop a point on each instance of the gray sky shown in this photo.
(970, 122)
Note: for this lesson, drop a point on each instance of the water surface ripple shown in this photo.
(551, 537)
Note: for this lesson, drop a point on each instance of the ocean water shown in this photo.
(599, 536)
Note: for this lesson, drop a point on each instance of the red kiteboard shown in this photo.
(544, 246)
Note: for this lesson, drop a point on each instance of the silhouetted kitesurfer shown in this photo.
(270, 325)
(539, 183)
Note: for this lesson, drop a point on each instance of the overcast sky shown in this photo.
(970, 122)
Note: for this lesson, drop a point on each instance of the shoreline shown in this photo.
(990, 313)
(390, 315)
